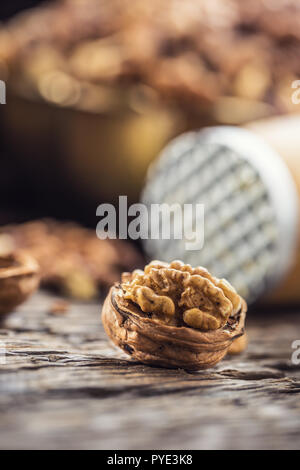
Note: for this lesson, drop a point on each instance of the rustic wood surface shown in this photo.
(63, 386)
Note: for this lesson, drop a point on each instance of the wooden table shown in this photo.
(62, 385)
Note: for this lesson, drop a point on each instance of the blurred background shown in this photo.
(9, 9)
(96, 88)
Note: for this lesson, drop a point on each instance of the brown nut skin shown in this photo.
(152, 342)
(19, 278)
(239, 345)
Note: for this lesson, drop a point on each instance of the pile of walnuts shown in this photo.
(195, 52)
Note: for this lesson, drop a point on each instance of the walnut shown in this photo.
(19, 278)
(71, 258)
(174, 315)
(196, 297)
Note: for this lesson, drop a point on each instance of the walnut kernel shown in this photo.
(239, 345)
(190, 295)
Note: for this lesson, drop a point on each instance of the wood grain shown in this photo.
(64, 386)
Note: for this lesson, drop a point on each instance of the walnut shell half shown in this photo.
(19, 278)
(151, 341)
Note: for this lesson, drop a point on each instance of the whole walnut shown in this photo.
(174, 315)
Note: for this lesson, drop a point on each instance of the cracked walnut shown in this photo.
(173, 315)
(180, 295)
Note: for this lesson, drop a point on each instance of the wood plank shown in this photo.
(63, 385)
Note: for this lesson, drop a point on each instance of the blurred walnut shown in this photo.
(174, 315)
(72, 259)
(19, 278)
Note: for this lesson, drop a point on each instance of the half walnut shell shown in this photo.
(151, 341)
(19, 278)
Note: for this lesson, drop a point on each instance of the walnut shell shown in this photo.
(151, 341)
(19, 278)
